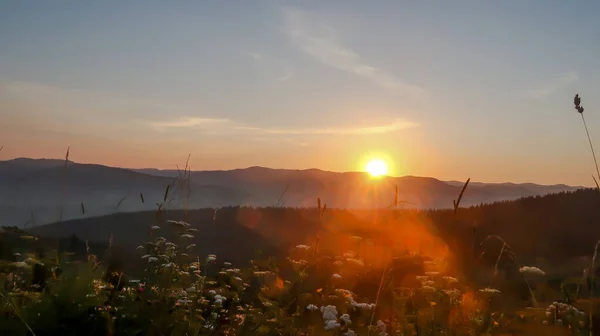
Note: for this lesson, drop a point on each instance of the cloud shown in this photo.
(322, 42)
(228, 126)
(378, 129)
(553, 86)
(189, 122)
(256, 56)
(288, 73)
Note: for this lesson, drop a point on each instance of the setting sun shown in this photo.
(376, 167)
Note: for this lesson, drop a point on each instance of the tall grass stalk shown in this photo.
(591, 147)
(593, 275)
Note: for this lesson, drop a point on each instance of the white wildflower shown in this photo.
(186, 235)
(489, 291)
(152, 259)
(190, 246)
(146, 256)
(303, 247)
(179, 223)
(531, 270)
(139, 248)
(312, 307)
(346, 319)
(336, 276)
(350, 332)
(329, 312)
(450, 279)
(355, 261)
(382, 328)
(155, 227)
(332, 324)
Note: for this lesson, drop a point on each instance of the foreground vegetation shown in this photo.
(347, 289)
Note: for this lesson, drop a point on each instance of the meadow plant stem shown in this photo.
(592, 274)
(591, 146)
(377, 298)
(14, 308)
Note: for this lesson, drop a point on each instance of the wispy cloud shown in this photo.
(553, 86)
(228, 126)
(256, 56)
(190, 122)
(287, 74)
(321, 41)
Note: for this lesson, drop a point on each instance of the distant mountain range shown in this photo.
(39, 191)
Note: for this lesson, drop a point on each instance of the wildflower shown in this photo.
(346, 319)
(192, 230)
(329, 312)
(428, 283)
(531, 270)
(356, 262)
(312, 307)
(139, 248)
(489, 291)
(332, 324)
(179, 223)
(453, 293)
(303, 247)
(146, 256)
(344, 292)
(168, 265)
(190, 246)
(219, 299)
(362, 305)
(450, 279)
(382, 328)
(350, 332)
(432, 273)
(299, 262)
(428, 289)
(212, 292)
(155, 227)
(186, 235)
(191, 289)
(226, 263)
(152, 259)
(336, 276)
(17, 254)
(211, 258)
(422, 278)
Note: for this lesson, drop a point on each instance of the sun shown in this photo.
(376, 167)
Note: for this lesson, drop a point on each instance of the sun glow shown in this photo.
(376, 168)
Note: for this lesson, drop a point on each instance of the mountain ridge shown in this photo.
(45, 190)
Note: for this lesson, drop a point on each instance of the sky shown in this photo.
(448, 89)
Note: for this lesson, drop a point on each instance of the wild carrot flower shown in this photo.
(531, 270)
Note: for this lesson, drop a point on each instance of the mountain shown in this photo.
(356, 190)
(34, 192)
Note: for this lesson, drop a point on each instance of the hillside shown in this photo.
(556, 227)
(35, 192)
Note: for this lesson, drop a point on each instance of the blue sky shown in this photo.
(451, 89)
